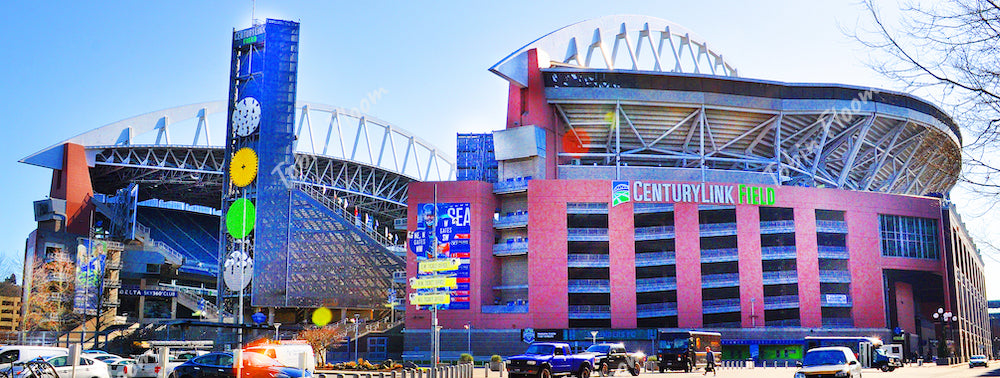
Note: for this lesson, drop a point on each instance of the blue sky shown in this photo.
(73, 66)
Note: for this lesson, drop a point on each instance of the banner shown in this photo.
(441, 245)
(90, 256)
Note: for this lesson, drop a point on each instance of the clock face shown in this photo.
(243, 167)
(246, 116)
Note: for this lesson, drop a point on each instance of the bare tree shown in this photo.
(950, 51)
(11, 263)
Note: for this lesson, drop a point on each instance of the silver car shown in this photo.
(829, 362)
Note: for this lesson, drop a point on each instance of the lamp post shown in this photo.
(356, 341)
(945, 317)
(468, 330)
(594, 335)
(276, 325)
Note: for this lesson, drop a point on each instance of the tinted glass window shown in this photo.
(9, 356)
(225, 360)
(57, 361)
(208, 359)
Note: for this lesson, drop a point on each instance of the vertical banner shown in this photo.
(441, 245)
(90, 257)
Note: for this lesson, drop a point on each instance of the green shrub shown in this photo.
(496, 358)
(651, 358)
(465, 358)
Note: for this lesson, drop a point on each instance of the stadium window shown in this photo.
(909, 237)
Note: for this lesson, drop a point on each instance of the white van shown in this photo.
(288, 354)
(12, 354)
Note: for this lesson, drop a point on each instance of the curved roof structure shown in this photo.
(364, 159)
(619, 42)
(727, 128)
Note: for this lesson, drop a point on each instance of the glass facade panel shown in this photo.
(909, 237)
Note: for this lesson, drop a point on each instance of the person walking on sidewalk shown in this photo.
(709, 361)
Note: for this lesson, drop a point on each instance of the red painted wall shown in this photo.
(547, 258)
(72, 183)
(905, 310)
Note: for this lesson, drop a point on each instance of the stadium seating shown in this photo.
(196, 236)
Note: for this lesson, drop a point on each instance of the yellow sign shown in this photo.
(430, 299)
(433, 282)
(439, 265)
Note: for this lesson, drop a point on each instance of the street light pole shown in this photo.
(356, 342)
(276, 325)
(468, 329)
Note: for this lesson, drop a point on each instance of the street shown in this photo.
(905, 372)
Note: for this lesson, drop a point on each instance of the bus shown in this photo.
(868, 350)
(674, 349)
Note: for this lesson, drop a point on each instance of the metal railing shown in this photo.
(777, 227)
(831, 226)
(655, 259)
(784, 252)
(720, 280)
(831, 252)
(587, 234)
(589, 286)
(838, 322)
(719, 255)
(646, 208)
(171, 255)
(717, 229)
(510, 249)
(318, 194)
(646, 285)
(834, 276)
(781, 277)
(511, 185)
(586, 208)
(578, 260)
(654, 233)
(505, 309)
(589, 312)
(781, 302)
(718, 306)
(513, 220)
(652, 310)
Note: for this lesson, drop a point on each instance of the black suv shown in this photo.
(611, 357)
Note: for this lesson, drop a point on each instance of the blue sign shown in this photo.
(258, 318)
(444, 232)
(528, 335)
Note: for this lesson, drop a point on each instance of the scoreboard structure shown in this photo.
(259, 148)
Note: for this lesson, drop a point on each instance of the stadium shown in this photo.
(641, 184)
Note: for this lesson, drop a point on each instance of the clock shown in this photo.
(240, 218)
(243, 167)
(246, 116)
(238, 270)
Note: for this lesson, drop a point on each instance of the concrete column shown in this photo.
(142, 300)
(688, 254)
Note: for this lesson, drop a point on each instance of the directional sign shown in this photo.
(430, 299)
(433, 282)
(439, 265)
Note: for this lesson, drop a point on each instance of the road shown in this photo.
(928, 371)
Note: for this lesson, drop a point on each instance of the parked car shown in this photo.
(829, 362)
(220, 365)
(612, 357)
(147, 365)
(978, 360)
(86, 368)
(288, 354)
(545, 360)
(122, 368)
(20, 353)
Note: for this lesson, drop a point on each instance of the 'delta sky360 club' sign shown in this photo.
(672, 192)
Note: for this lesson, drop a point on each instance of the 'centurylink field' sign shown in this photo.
(660, 192)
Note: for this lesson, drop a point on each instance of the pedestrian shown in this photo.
(709, 361)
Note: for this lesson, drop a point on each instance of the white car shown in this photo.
(829, 362)
(978, 360)
(87, 368)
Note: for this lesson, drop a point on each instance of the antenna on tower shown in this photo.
(253, 10)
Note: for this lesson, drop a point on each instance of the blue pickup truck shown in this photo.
(545, 360)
